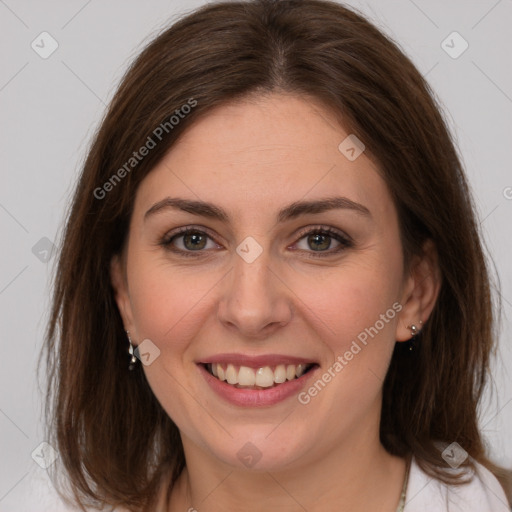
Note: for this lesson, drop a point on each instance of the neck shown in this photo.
(355, 477)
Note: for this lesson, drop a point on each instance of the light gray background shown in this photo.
(50, 108)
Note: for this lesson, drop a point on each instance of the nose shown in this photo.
(255, 301)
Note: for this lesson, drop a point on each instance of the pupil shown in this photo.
(195, 239)
(317, 237)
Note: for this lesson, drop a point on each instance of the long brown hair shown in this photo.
(115, 440)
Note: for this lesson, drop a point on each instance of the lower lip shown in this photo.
(256, 397)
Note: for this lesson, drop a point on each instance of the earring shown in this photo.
(133, 360)
(413, 341)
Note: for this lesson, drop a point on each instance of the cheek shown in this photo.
(352, 297)
(359, 302)
(166, 301)
(360, 307)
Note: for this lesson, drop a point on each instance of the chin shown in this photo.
(259, 451)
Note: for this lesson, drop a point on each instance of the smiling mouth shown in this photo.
(266, 377)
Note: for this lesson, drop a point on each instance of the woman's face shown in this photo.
(251, 287)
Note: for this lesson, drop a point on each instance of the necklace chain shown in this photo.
(401, 504)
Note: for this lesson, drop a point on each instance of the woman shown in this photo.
(271, 280)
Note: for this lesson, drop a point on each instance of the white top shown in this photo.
(424, 494)
(482, 494)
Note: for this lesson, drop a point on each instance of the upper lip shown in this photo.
(256, 361)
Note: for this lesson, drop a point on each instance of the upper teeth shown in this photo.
(263, 377)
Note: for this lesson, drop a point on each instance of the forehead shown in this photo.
(258, 155)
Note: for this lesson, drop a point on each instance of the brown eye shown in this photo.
(317, 241)
(188, 241)
(194, 240)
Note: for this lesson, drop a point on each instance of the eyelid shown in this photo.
(324, 229)
(185, 229)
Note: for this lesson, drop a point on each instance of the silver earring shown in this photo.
(414, 331)
(133, 360)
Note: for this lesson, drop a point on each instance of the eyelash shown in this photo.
(345, 241)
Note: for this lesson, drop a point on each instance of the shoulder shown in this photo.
(483, 493)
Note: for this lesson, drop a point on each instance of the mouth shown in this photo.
(257, 378)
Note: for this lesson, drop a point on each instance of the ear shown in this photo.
(420, 291)
(120, 286)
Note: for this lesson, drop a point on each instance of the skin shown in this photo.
(252, 158)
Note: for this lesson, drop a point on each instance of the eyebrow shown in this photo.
(291, 211)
